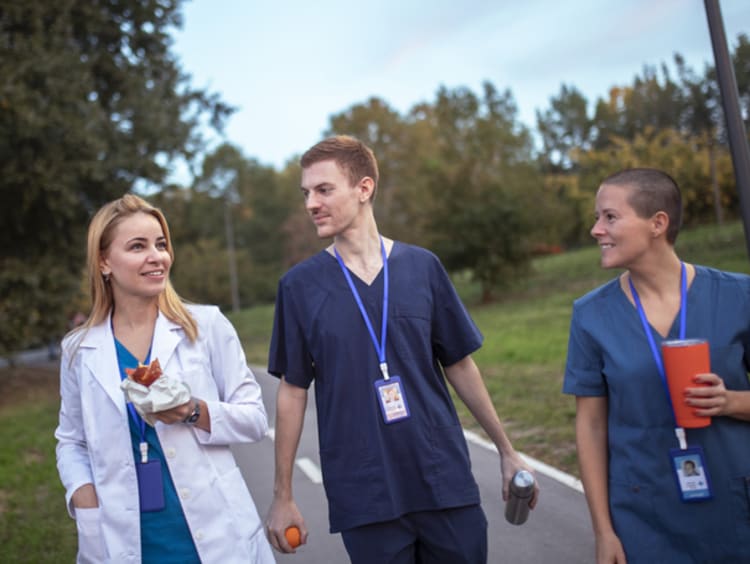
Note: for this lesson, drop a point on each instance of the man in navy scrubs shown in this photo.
(379, 328)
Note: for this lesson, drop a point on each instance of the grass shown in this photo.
(522, 362)
(34, 524)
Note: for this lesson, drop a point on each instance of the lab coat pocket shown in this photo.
(240, 500)
(91, 546)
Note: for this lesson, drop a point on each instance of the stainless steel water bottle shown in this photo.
(519, 496)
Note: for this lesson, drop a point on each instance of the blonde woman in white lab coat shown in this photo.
(171, 492)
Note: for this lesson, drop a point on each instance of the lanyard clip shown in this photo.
(680, 432)
(144, 452)
(384, 370)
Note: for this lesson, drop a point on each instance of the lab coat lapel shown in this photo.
(100, 358)
(167, 335)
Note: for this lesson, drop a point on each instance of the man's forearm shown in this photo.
(291, 403)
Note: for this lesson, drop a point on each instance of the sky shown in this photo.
(288, 65)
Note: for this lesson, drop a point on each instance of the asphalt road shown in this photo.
(558, 530)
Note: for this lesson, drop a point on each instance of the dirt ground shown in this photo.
(28, 383)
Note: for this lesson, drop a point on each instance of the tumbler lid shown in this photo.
(682, 342)
(523, 479)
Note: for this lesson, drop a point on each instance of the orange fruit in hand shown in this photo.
(293, 536)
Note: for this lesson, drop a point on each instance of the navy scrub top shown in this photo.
(373, 471)
(609, 355)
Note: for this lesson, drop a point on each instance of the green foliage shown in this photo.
(741, 60)
(35, 301)
(659, 121)
(491, 241)
(563, 127)
(92, 104)
(254, 326)
(482, 185)
(688, 159)
(233, 199)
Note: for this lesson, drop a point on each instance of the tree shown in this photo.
(92, 104)
(483, 186)
(564, 127)
(702, 119)
(249, 228)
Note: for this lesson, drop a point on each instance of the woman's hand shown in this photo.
(180, 413)
(85, 497)
(609, 549)
(711, 398)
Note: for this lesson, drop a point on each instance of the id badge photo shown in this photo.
(691, 473)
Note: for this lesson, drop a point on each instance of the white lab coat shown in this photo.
(94, 444)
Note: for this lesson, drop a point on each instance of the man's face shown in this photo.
(332, 202)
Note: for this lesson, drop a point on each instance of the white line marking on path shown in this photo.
(538, 465)
(310, 469)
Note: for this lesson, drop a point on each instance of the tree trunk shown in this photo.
(715, 182)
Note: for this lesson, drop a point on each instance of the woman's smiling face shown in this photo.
(138, 259)
(622, 235)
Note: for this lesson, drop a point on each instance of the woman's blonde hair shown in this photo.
(100, 236)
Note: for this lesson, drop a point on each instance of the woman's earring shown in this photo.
(106, 275)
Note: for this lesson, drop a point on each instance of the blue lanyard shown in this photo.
(650, 336)
(137, 419)
(379, 346)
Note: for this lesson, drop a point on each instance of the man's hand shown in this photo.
(510, 464)
(281, 516)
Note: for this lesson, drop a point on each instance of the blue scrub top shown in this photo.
(609, 355)
(374, 471)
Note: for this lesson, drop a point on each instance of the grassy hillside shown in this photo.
(526, 333)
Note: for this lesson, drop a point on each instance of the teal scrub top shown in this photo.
(165, 536)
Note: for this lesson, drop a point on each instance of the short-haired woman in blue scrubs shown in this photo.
(630, 447)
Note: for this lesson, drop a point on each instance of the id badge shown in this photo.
(691, 473)
(150, 486)
(392, 399)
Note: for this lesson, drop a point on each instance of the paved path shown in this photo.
(34, 357)
(558, 530)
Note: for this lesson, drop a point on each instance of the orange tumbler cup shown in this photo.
(683, 359)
